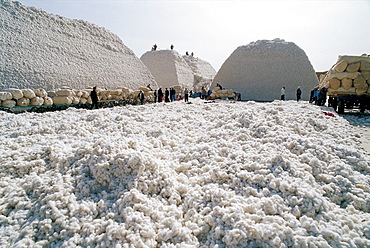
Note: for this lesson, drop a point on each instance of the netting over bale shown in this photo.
(260, 69)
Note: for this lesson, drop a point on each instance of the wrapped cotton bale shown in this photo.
(353, 67)
(341, 75)
(334, 83)
(37, 101)
(28, 93)
(16, 93)
(77, 93)
(360, 83)
(9, 103)
(366, 74)
(340, 66)
(40, 92)
(52, 94)
(23, 102)
(365, 66)
(126, 90)
(115, 92)
(64, 92)
(83, 100)
(85, 94)
(362, 91)
(62, 100)
(5, 96)
(347, 83)
(342, 90)
(144, 89)
(75, 100)
(48, 101)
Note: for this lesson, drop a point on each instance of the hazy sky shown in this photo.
(214, 29)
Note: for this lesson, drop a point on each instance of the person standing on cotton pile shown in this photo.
(282, 95)
(299, 93)
(94, 98)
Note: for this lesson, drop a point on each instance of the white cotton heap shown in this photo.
(221, 174)
(42, 50)
(168, 68)
(260, 69)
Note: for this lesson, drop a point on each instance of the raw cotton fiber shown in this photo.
(42, 50)
(220, 174)
(260, 69)
(168, 68)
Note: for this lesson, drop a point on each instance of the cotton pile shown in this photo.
(205, 174)
(42, 50)
(260, 69)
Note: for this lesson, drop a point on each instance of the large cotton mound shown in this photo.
(41, 50)
(202, 70)
(280, 174)
(260, 69)
(168, 68)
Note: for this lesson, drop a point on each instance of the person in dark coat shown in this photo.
(167, 95)
(94, 98)
(299, 93)
(160, 95)
(155, 96)
(141, 97)
(186, 95)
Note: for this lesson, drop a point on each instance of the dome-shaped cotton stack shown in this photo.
(349, 75)
(168, 68)
(259, 70)
(42, 50)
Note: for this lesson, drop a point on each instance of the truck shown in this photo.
(348, 83)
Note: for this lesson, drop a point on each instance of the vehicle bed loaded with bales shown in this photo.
(348, 83)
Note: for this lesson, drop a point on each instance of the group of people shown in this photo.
(298, 93)
(318, 96)
(169, 95)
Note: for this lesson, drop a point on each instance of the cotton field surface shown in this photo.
(220, 174)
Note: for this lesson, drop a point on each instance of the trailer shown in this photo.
(342, 102)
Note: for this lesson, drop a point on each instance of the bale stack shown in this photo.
(36, 97)
(217, 93)
(349, 75)
(24, 97)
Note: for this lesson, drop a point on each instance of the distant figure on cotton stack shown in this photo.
(141, 97)
(187, 53)
(299, 93)
(282, 94)
(154, 47)
(186, 95)
(167, 95)
(172, 47)
(94, 98)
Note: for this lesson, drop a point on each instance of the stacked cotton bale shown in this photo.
(349, 75)
(24, 97)
(217, 93)
(69, 96)
(149, 94)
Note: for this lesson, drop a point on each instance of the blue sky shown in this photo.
(214, 29)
